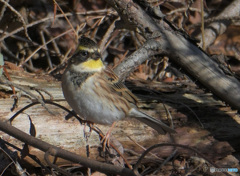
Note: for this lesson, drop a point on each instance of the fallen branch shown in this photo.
(58, 152)
(181, 50)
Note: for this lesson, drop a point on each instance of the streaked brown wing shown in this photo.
(119, 87)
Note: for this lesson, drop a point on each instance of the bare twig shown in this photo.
(43, 90)
(165, 161)
(112, 145)
(180, 49)
(174, 145)
(148, 49)
(96, 24)
(76, 116)
(6, 168)
(55, 46)
(65, 57)
(107, 35)
(51, 18)
(46, 50)
(58, 152)
(33, 157)
(142, 147)
(19, 15)
(3, 10)
(4, 47)
(42, 46)
(202, 26)
(18, 167)
(47, 102)
(6, 82)
(46, 158)
(69, 23)
(183, 10)
(218, 27)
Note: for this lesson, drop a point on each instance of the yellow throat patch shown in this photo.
(93, 64)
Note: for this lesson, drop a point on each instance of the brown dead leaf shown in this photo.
(12, 66)
(98, 174)
(228, 43)
(141, 75)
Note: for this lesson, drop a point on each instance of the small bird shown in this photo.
(95, 92)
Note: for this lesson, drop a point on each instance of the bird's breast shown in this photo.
(91, 100)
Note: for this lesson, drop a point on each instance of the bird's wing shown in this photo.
(118, 87)
(156, 124)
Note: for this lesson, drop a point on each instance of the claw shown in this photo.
(106, 139)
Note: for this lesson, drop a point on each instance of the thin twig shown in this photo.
(107, 34)
(55, 46)
(122, 57)
(6, 167)
(96, 24)
(113, 146)
(46, 158)
(46, 50)
(33, 157)
(75, 115)
(42, 46)
(52, 17)
(202, 26)
(174, 145)
(19, 169)
(168, 115)
(58, 152)
(143, 148)
(183, 9)
(165, 161)
(69, 23)
(3, 10)
(9, 52)
(65, 57)
(19, 15)
(43, 90)
(6, 82)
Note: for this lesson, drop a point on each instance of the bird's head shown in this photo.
(87, 57)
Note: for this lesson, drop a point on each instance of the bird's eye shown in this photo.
(83, 53)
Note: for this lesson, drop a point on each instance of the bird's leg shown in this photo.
(106, 139)
(87, 135)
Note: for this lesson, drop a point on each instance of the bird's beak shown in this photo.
(96, 56)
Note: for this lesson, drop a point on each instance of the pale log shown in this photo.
(68, 134)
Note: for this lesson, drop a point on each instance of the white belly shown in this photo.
(88, 105)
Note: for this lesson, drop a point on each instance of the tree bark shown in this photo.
(182, 51)
(68, 134)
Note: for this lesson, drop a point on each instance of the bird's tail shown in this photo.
(158, 125)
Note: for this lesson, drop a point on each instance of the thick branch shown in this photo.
(150, 48)
(182, 52)
(58, 152)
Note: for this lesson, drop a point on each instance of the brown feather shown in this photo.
(118, 87)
